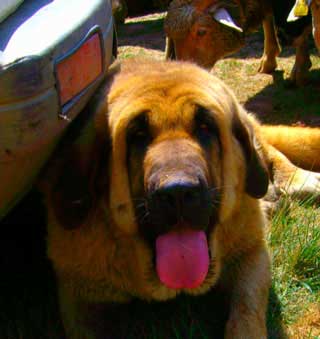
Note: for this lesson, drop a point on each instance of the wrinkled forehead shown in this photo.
(170, 100)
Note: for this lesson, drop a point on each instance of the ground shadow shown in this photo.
(283, 103)
(254, 48)
(275, 324)
(27, 289)
(148, 34)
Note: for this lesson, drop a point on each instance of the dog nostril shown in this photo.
(191, 196)
(167, 198)
(181, 204)
(176, 196)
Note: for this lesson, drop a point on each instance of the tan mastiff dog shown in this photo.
(159, 195)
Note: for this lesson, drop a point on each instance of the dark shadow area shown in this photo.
(189, 317)
(27, 291)
(184, 317)
(147, 34)
(282, 103)
(253, 48)
(143, 7)
(275, 325)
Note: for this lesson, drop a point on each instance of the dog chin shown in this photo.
(160, 292)
(160, 287)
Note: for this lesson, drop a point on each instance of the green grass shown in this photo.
(295, 245)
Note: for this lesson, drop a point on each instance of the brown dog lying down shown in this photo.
(160, 195)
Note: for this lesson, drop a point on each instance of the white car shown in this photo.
(53, 56)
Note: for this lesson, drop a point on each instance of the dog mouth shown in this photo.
(176, 223)
(181, 255)
(182, 258)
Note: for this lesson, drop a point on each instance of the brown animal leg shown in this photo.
(315, 8)
(249, 298)
(272, 48)
(299, 73)
(170, 53)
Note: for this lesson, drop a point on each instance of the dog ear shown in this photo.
(69, 181)
(257, 176)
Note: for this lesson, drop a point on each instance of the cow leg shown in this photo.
(272, 48)
(170, 53)
(315, 9)
(299, 73)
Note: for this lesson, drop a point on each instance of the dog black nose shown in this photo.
(178, 196)
(181, 202)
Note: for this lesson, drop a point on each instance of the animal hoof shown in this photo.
(267, 66)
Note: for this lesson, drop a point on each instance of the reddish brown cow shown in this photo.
(205, 31)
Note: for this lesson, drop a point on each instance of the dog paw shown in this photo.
(303, 183)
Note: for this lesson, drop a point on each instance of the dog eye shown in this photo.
(205, 127)
(204, 133)
(201, 32)
(138, 134)
(139, 137)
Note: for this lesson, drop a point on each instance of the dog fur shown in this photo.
(96, 238)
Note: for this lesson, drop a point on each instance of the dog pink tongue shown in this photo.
(182, 258)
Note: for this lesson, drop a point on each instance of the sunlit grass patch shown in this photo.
(294, 241)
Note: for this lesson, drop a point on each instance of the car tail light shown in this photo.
(79, 69)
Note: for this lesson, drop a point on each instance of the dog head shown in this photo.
(182, 162)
